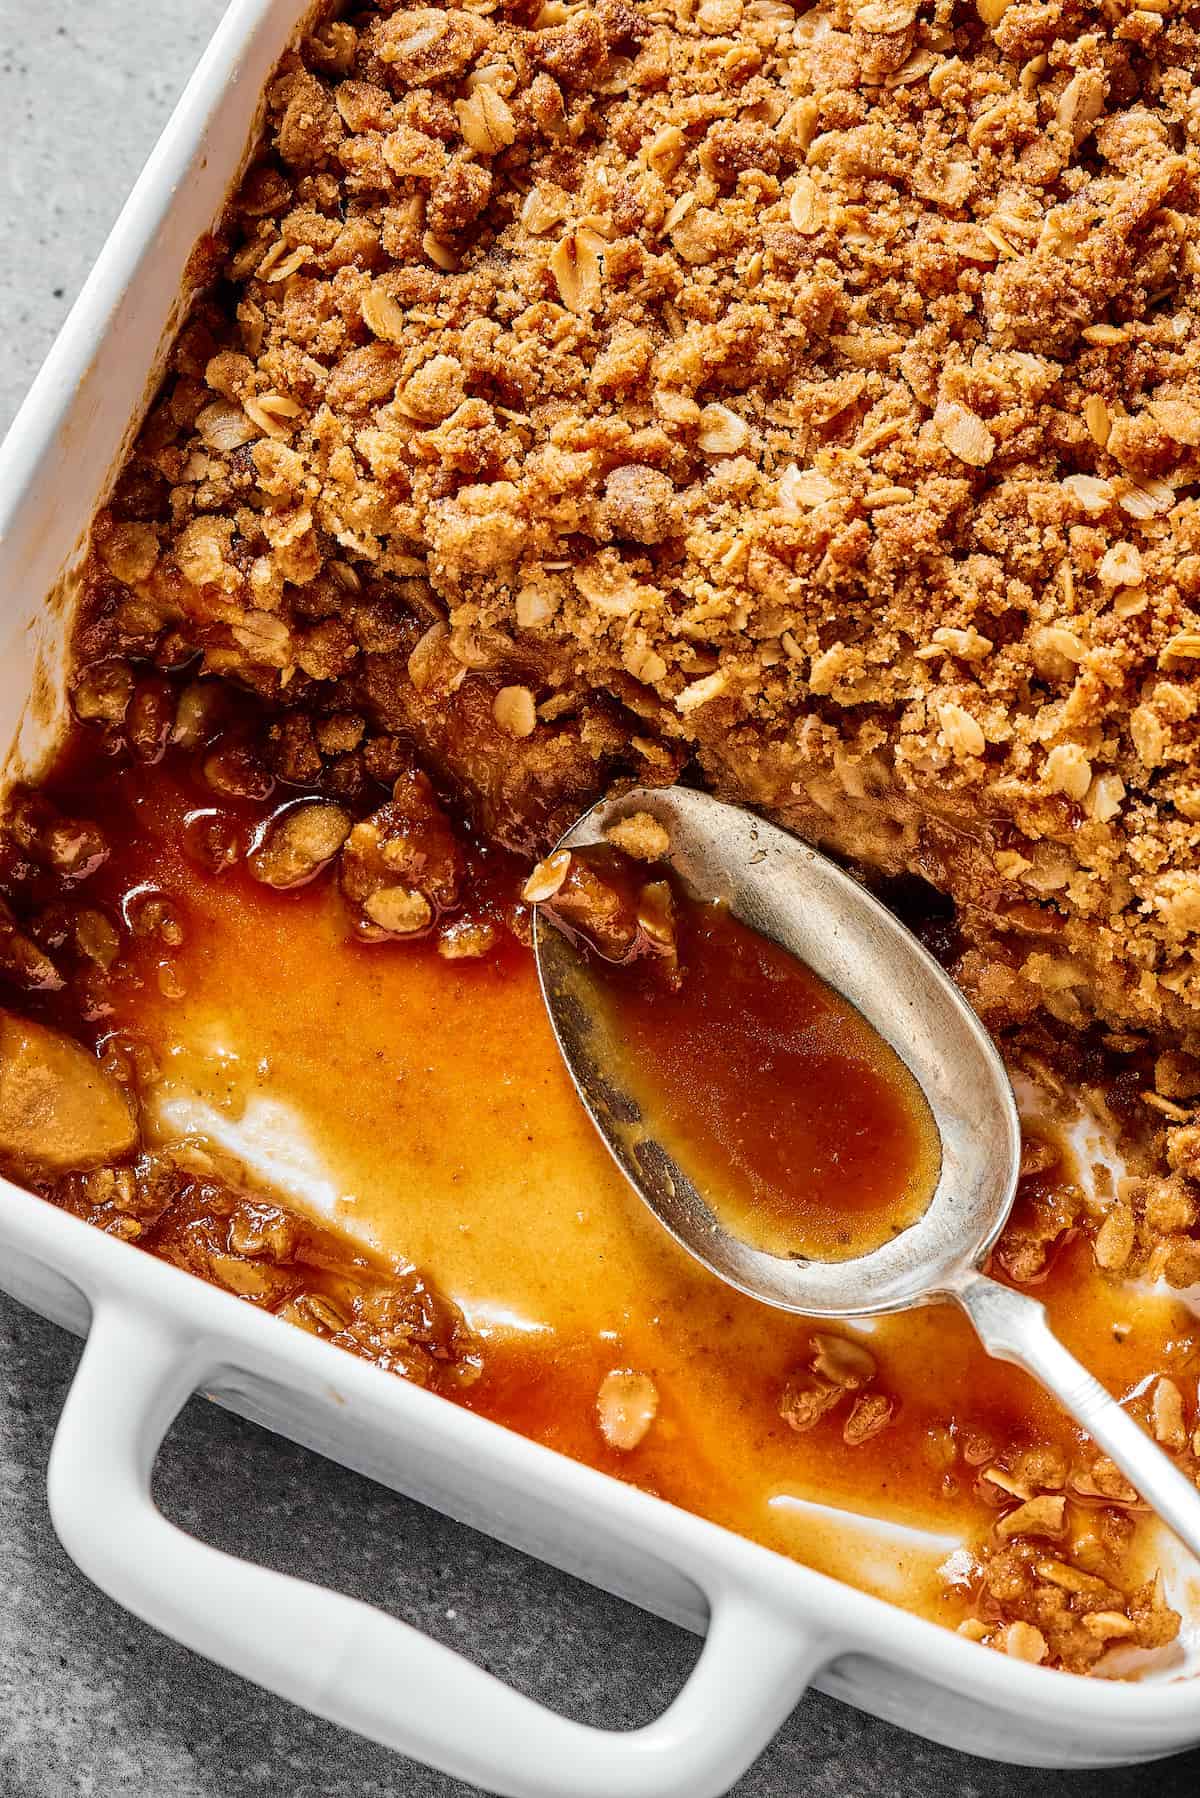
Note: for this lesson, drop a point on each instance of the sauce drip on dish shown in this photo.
(796, 1122)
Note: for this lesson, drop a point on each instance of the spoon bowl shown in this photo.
(798, 898)
(786, 891)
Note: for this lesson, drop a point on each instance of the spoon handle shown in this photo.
(1013, 1327)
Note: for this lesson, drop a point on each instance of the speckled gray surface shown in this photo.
(91, 1702)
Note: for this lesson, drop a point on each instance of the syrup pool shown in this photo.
(796, 1122)
(420, 1109)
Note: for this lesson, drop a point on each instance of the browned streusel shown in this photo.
(1053, 1579)
(824, 387)
(277, 1261)
(1057, 1563)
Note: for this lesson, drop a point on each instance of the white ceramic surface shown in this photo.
(156, 1335)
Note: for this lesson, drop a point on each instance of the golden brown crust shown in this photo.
(826, 384)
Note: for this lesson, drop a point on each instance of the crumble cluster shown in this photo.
(814, 392)
(183, 1210)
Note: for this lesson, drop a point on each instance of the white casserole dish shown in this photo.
(155, 1335)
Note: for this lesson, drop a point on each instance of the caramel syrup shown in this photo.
(434, 1099)
(792, 1117)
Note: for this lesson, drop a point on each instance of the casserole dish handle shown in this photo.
(358, 1666)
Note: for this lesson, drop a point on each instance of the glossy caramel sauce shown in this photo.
(420, 1107)
(795, 1121)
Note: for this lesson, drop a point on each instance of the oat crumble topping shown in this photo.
(821, 386)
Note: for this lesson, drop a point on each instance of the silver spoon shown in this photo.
(786, 891)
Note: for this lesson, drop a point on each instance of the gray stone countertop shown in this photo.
(91, 1701)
